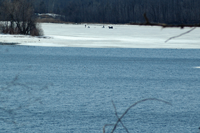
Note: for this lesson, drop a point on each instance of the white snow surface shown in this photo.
(121, 36)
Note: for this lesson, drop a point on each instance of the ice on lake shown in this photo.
(121, 36)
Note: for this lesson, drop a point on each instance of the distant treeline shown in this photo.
(122, 11)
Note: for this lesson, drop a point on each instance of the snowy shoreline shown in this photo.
(95, 36)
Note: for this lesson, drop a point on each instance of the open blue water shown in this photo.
(70, 90)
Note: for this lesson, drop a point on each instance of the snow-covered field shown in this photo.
(121, 36)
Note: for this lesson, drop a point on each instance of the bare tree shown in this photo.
(19, 18)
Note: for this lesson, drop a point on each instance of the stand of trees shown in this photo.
(122, 11)
(19, 18)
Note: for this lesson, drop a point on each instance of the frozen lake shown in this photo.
(68, 83)
(121, 36)
(62, 89)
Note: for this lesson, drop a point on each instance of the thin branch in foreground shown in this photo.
(148, 99)
(106, 126)
(180, 34)
(118, 117)
(11, 111)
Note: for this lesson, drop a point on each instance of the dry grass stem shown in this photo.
(148, 99)
(118, 117)
(180, 35)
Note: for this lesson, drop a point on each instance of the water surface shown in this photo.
(55, 90)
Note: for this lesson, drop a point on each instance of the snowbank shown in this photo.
(121, 36)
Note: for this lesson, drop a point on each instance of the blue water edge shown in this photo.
(70, 90)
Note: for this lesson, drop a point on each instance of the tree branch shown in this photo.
(148, 99)
(180, 35)
(118, 117)
(106, 126)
